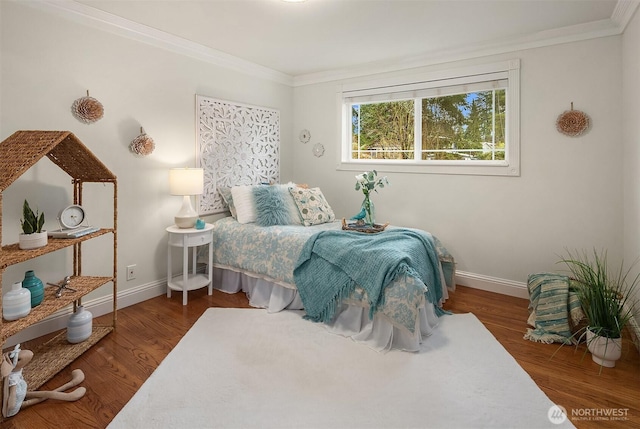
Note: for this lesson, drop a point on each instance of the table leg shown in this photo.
(185, 270)
(169, 273)
(210, 267)
(194, 257)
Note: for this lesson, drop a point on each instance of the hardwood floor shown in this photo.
(118, 365)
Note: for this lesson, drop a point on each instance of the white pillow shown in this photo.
(244, 203)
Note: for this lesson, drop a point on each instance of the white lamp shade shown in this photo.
(186, 181)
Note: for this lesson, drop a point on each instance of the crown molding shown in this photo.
(622, 14)
(96, 18)
(574, 33)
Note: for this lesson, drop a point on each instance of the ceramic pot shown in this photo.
(16, 303)
(79, 325)
(35, 286)
(32, 241)
(604, 351)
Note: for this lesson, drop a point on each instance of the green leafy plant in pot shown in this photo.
(32, 222)
(606, 296)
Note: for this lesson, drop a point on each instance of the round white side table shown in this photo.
(187, 238)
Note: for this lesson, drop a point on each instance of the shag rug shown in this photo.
(246, 368)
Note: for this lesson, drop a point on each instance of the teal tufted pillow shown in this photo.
(275, 206)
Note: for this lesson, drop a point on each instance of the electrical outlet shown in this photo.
(131, 272)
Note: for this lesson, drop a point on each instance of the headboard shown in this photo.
(236, 144)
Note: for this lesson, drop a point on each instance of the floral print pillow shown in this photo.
(313, 207)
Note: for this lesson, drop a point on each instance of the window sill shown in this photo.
(474, 168)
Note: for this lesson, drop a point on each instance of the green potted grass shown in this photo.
(32, 235)
(606, 296)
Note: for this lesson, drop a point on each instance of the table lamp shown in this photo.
(186, 182)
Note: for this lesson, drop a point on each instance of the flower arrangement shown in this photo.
(369, 182)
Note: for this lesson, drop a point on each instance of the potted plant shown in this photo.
(32, 235)
(606, 296)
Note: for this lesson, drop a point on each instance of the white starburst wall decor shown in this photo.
(236, 144)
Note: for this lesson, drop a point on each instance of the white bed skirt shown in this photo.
(351, 321)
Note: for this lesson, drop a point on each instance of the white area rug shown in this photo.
(246, 368)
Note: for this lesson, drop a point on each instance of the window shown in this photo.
(461, 122)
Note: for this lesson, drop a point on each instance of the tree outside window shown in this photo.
(469, 126)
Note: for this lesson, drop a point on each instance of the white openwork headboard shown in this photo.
(236, 144)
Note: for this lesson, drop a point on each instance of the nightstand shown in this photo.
(189, 238)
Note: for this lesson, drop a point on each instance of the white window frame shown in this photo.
(425, 83)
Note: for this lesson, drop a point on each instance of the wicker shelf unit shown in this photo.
(18, 153)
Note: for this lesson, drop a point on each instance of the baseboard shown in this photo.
(492, 284)
(98, 307)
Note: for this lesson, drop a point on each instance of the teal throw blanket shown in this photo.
(332, 263)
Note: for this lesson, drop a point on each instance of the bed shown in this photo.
(263, 260)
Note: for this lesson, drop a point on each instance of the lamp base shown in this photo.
(187, 216)
(185, 222)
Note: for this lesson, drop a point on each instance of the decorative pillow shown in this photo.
(244, 203)
(312, 205)
(275, 205)
(271, 207)
(294, 213)
(225, 193)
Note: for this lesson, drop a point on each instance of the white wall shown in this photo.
(48, 62)
(569, 195)
(631, 139)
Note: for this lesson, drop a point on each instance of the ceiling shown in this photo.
(324, 36)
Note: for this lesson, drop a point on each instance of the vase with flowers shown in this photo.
(369, 182)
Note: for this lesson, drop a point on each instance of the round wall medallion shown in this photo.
(87, 109)
(573, 123)
(305, 136)
(318, 149)
(143, 144)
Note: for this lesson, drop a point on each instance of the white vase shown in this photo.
(604, 351)
(32, 241)
(79, 326)
(16, 303)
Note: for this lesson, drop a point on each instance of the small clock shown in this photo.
(305, 136)
(72, 216)
(318, 149)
